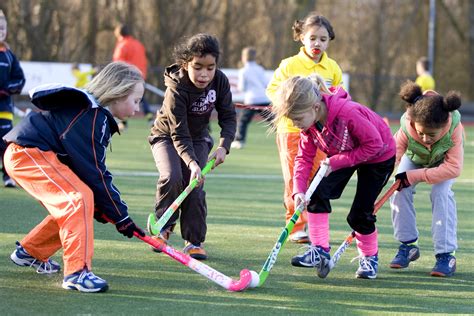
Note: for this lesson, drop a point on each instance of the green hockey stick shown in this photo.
(289, 227)
(154, 226)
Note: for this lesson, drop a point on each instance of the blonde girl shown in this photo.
(355, 139)
(58, 157)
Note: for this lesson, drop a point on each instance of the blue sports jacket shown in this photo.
(75, 127)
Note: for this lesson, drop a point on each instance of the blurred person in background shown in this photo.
(12, 81)
(82, 77)
(130, 50)
(425, 80)
(253, 82)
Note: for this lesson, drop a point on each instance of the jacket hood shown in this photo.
(336, 101)
(176, 77)
(50, 97)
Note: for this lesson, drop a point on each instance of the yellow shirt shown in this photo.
(426, 82)
(302, 65)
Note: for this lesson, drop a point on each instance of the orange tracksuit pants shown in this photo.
(69, 201)
(288, 149)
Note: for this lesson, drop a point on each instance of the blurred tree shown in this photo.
(471, 49)
(377, 41)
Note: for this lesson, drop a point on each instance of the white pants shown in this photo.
(443, 208)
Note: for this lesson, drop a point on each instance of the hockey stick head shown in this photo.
(154, 225)
(243, 283)
(151, 224)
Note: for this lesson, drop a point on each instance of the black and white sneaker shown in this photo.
(314, 257)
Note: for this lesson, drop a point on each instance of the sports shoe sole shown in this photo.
(397, 266)
(300, 240)
(302, 265)
(440, 274)
(368, 277)
(78, 287)
(198, 256)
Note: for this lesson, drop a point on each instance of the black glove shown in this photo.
(100, 217)
(127, 227)
(404, 183)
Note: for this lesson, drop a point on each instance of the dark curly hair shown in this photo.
(197, 45)
(312, 19)
(429, 109)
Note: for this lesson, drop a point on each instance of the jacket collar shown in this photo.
(309, 63)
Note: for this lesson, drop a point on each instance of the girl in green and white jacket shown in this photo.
(429, 149)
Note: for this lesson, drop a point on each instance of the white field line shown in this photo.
(269, 177)
(223, 176)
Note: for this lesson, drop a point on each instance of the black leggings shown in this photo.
(371, 178)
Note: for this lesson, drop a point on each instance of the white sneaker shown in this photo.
(300, 237)
(85, 281)
(237, 144)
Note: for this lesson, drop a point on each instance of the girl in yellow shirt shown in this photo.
(314, 32)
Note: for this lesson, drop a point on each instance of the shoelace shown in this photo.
(47, 268)
(191, 246)
(315, 256)
(33, 263)
(84, 274)
(364, 263)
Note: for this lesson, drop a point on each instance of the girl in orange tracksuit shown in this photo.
(58, 156)
(315, 32)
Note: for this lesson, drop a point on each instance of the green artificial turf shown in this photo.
(245, 218)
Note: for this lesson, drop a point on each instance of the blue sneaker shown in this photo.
(406, 254)
(85, 281)
(445, 265)
(368, 267)
(314, 257)
(22, 258)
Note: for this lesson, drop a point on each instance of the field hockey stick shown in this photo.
(252, 107)
(154, 226)
(267, 266)
(348, 240)
(201, 268)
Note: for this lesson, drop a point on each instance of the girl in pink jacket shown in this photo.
(355, 139)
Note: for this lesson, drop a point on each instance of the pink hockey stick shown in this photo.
(201, 268)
